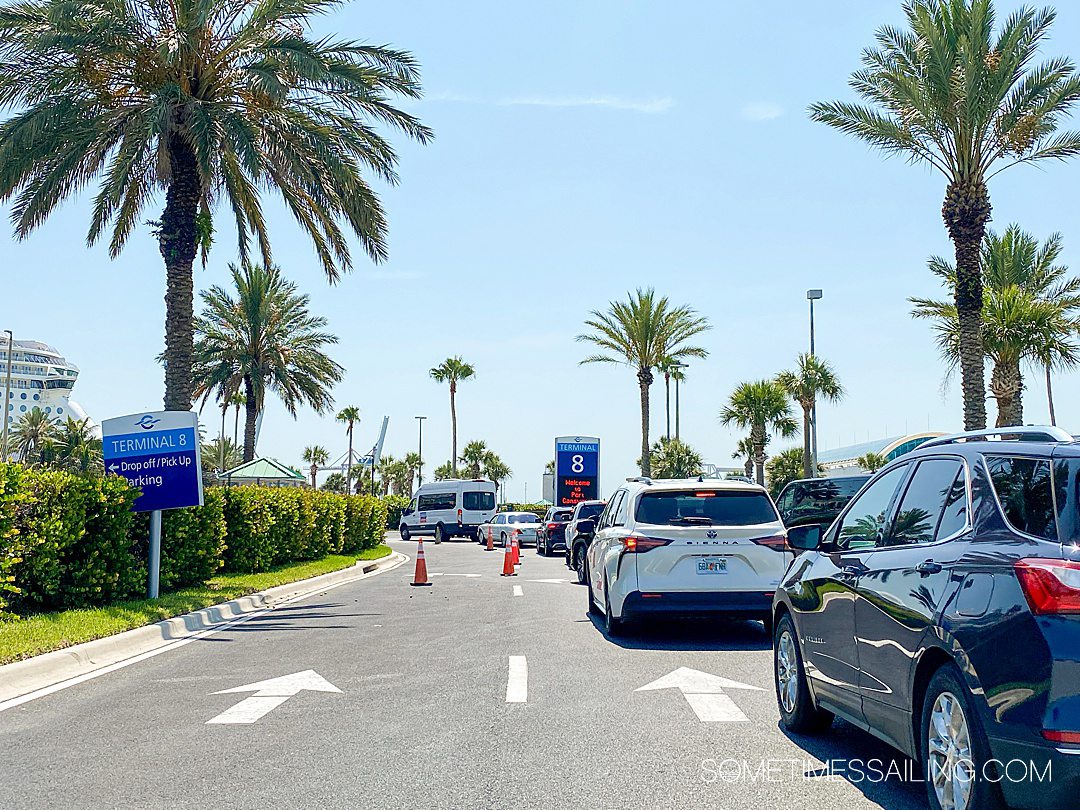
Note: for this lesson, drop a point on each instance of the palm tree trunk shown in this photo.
(1006, 386)
(749, 466)
(348, 463)
(966, 211)
(645, 379)
(251, 417)
(224, 410)
(236, 426)
(807, 460)
(177, 241)
(314, 469)
(1050, 394)
(453, 428)
(757, 438)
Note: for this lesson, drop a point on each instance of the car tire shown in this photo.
(612, 626)
(580, 567)
(539, 548)
(961, 742)
(594, 609)
(797, 711)
(405, 535)
(440, 533)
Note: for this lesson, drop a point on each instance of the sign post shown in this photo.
(157, 452)
(577, 469)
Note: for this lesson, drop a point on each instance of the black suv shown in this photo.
(817, 500)
(941, 612)
(579, 533)
(551, 535)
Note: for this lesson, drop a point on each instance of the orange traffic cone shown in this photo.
(491, 541)
(420, 577)
(517, 547)
(508, 560)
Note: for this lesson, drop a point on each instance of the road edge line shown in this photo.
(31, 678)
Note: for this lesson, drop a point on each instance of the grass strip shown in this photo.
(45, 632)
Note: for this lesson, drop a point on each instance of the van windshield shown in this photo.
(705, 508)
(478, 501)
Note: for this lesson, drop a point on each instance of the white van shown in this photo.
(450, 508)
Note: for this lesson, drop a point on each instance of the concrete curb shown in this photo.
(22, 677)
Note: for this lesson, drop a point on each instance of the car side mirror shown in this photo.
(805, 538)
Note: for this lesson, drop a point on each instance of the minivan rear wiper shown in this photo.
(691, 520)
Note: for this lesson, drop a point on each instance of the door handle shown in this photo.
(928, 567)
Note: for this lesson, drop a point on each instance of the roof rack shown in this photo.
(1015, 433)
(640, 479)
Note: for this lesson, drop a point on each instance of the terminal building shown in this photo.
(845, 460)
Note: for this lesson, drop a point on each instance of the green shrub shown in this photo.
(395, 505)
(192, 541)
(249, 518)
(12, 502)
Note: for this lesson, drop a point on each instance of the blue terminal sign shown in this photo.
(577, 469)
(157, 452)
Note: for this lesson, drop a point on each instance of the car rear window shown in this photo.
(562, 517)
(478, 501)
(1023, 486)
(590, 511)
(705, 507)
(523, 518)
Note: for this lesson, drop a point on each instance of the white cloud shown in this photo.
(648, 105)
(761, 111)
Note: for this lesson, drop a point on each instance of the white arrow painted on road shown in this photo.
(269, 695)
(705, 694)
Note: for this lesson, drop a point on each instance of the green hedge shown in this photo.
(68, 541)
(395, 505)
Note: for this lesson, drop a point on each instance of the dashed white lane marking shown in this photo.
(549, 581)
(444, 574)
(517, 680)
(518, 591)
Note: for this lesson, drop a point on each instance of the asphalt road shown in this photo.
(422, 718)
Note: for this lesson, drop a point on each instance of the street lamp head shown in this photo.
(813, 295)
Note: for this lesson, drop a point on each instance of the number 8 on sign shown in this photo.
(577, 464)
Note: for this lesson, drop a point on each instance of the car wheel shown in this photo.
(579, 567)
(405, 532)
(541, 547)
(440, 533)
(954, 750)
(613, 626)
(797, 710)
(594, 609)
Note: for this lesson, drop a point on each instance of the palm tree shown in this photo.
(453, 370)
(672, 458)
(263, 339)
(1030, 313)
(349, 416)
(412, 462)
(644, 332)
(224, 452)
(745, 450)
(872, 462)
(671, 370)
(472, 458)
(444, 471)
(812, 379)
(237, 400)
(317, 456)
(947, 92)
(74, 447)
(783, 468)
(199, 101)
(495, 469)
(763, 408)
(31, 433)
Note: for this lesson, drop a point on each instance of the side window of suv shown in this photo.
(934, 506)
(864, 523)
(608, 518)
(619, 517)
(1024, 489)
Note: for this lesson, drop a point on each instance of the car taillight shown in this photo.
(553, 525)
(459, 516)
(1051, 586)
(1072, 737)
(639, 543)
(777, 542)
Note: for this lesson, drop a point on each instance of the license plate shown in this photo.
(711, 565)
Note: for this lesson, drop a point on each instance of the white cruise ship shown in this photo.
(39, 376)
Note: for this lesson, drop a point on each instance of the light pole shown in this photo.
(677, 367)
(7, 397)
(812, 296)
(420, 450)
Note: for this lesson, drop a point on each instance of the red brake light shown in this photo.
(1072, 737)
(704, 494)
(553, 525)
(639, 544)
(777, 542)
(1051, 586)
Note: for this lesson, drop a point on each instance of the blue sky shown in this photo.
(584, 149)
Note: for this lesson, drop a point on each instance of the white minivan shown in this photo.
(450, 508)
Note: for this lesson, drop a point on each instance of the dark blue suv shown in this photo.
(941, 612)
